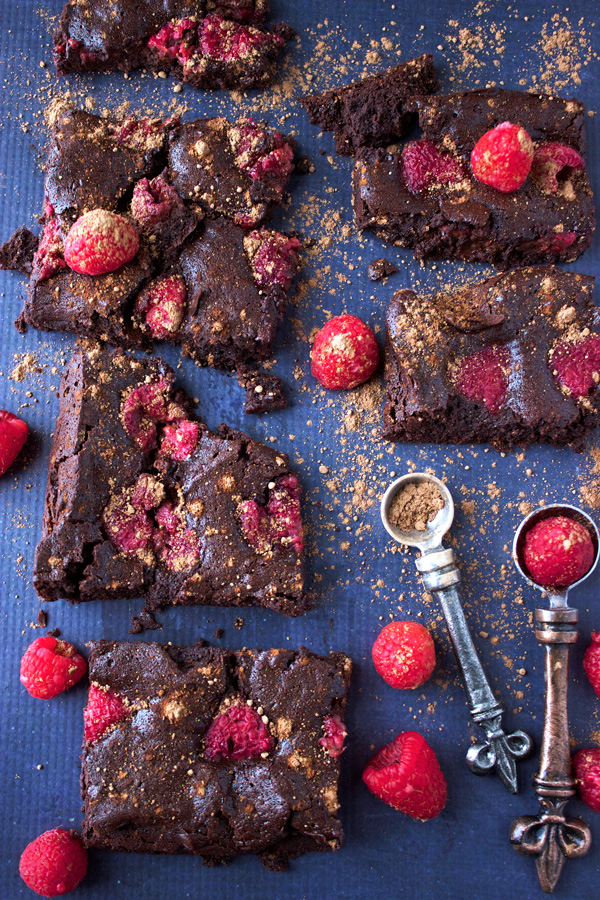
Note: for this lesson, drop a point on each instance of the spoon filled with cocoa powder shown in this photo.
(417, 510)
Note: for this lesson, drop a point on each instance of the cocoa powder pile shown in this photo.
(415, 505)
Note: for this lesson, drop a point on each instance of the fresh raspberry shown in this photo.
(239, 733)
(13, 435)
(176, 545)
(262, 154)
(147, 405)
(586, 765)
(404, 654)
(549, 161)
(406, 775)
(591, 662)
(334, 737)
(558, 551)
(99, 242)
(49, 256)
(576, 367)
(225, 40)
(483, 377)
(153, 201)
(180, 440)
(423, 165)
(126, 521)
(273, 257)
(49, 667)
(345, 353)
(163, 305)
(279, 522)
(503, 157)
(104, 709)
(54, 863)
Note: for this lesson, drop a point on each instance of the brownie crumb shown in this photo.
(144, 622)
(380, 268)
(55, 633)
(219, 632)
(239, 623)
(415, 505)
(17, 253)
(42, 619)
(264, 392)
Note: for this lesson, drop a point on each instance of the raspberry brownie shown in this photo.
(220, 44)
(213, 752)
(510, 360)
(376, 110)
(142, 500)
(427, 197)
(153, 230)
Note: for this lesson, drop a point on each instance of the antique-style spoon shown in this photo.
(440, 576)
(550, 836)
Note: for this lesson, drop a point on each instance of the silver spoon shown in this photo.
(441, 576)
(550, 836)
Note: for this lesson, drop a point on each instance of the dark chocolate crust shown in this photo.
(526, 310)
(470, 220)
(94, 460)
(148, 787)
(116, 35)
(375, 111)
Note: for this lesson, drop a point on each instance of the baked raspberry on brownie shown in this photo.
(142, 500)
(511, 360)
(213, 752)
(205, 43)
(152, 230)
(428, 196)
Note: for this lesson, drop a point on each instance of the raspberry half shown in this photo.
(13, 436)
(100, 242)
(54, 863)
(558, 551)
(49, 667)
(345, 353)
(162, 304)
(279, 522)
(503, 157)
(334, 737)
(240, 733)
(153, 201)
(404, 654)
(576, 366)
(591, 662)
(586, 765)
(104, 709)
(551, 160)
(483, 377)
(423, 165)
(406, 775)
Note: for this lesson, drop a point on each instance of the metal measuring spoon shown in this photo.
(440, 576)
(550, 836)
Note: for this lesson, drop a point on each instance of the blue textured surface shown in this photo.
(356, 581)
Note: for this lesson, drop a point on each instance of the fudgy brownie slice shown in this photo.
(427, 198)
(206, 275)
(213, 752)
(206, 44)
(375, 111)
(142, 500)
(511, 360)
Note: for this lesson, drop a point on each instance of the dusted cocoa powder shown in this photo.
(415, 505)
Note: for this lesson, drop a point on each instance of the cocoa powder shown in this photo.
(415, 505)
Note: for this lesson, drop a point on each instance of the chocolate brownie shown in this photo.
(264, 392)
(206, 43)
(427, 198)
(510, 360)
(142, 500)
(213, 752)
(376, 110)
(206, 276)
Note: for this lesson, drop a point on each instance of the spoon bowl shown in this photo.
(436, 529)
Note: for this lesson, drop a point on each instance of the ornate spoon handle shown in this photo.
(550, 836)
(498, 751)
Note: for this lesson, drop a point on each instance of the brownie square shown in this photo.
(510, 360)
(449, 214)
(172, 769)
(376, 110)
(205, 43)
(206, 276)
(142, 500)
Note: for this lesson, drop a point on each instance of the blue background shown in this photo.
(356, 579)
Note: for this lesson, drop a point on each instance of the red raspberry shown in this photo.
(54, 863)
(576, 367)
(49, 667)
(423, 165)
(483, 377)
(273, 257)
(99, 242)
(586, 764)
(239, 733)
(222, 39)
(126, 521)
(179, 441)
(335, 735)
(345, 353)
(49, 256)
(279, 522)
(406, 775)
(175, 39)
(163, 306)
(153, 201)
(549, 161)
(591, 662)
(502, 158)
(104, 709)
(13, 435)
(176, 545)
(145, 406)
(558, 552)
(404, 654)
